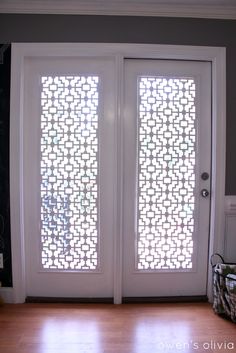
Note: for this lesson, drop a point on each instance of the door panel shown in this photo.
(167, 136)
(70, 170)
(68, 174)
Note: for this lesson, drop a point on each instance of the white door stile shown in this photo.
(118, 185)
(22, 51)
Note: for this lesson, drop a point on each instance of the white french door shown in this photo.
(68, 177)
(70, 156)
(167, 166)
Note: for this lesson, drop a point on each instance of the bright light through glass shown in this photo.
(166, 172)
(69, 172)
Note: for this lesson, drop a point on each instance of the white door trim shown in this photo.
(22, 51)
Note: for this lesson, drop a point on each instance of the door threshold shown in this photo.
(31, 299)
(173, 299)
(125, 300)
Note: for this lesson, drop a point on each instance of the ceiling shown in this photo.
(176, 8)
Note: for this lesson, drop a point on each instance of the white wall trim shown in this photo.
(230, 204)
(16, 177)
(217, 222)
(229, 253)
(120, 8)
(21, 51)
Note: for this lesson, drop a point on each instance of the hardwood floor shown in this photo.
(107, 328)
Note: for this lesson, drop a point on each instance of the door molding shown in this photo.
(128, 8)
(22, 51)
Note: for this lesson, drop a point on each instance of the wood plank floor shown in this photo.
(107, 328)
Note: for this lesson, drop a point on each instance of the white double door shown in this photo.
(93, 151)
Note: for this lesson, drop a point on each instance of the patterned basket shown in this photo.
(224, 288)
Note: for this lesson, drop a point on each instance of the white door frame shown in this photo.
(22, 51)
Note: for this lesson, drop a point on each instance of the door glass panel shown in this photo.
(69, 172)
(166, 173)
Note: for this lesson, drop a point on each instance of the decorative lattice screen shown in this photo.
(69, 172)
(166, 172)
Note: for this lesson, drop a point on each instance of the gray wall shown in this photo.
(182, 31)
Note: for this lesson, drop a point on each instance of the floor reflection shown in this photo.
(160, 336)
(70, 336)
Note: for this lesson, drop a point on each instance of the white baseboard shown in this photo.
(6, 293)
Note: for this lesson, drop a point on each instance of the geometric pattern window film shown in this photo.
(166, 173)
(69, 172)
